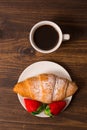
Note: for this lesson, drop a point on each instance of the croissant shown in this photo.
(46, 88)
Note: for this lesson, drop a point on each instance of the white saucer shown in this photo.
(43, 67)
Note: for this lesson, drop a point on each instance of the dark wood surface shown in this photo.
(16, 19)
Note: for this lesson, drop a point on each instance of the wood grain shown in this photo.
(16, 19)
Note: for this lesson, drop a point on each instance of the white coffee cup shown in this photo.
(62, 37)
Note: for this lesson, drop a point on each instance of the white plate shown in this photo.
(43, 67)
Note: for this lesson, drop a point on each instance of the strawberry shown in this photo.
(54, 108)
(33, 106)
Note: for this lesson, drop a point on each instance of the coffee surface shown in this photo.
(46, 37)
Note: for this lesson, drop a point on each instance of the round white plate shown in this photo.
(43, 67)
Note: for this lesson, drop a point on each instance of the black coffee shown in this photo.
(46, 37)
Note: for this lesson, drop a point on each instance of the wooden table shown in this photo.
(16, 19)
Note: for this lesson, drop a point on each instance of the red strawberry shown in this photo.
(55, 107)
(33, 106)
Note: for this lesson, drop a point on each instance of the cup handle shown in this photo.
(66, 37)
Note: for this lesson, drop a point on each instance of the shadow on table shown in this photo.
(71, 26)
(1, 34)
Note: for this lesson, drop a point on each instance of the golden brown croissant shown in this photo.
(46, 88)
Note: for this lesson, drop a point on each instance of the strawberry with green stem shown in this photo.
(33, 106)
(54, 108)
